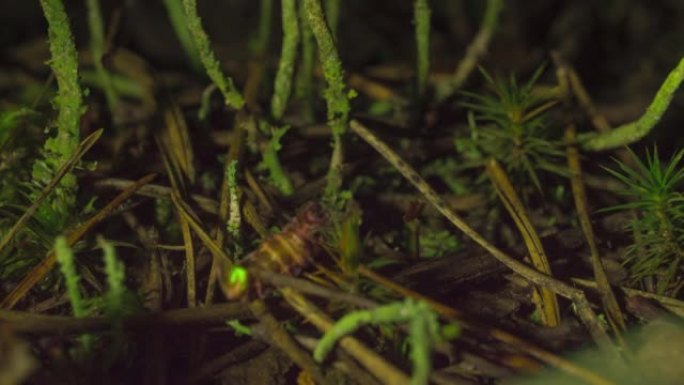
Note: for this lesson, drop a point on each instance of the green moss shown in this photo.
(336, 95)
(69, 99)
(304, 83)
(633, 131)
(283, 80)
(230, 93)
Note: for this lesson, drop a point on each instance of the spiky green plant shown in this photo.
(654, 194)
(231, 94)
(515, 129)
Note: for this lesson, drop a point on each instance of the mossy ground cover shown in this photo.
(473, 189)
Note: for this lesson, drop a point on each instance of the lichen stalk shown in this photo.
(231, 94)
(336, 96)
(69, 99)
(283, 80)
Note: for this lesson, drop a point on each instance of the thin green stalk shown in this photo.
(270, 161)
(174, 8)
(259, 44)
(633, 131)
(97, 48)
(332, 15)
(304, 83)
(475, 51)
(231, 94)
(116, 274)
(336, 96)
(65, 257)
(283, 80)
(69, 99)
(421, 12)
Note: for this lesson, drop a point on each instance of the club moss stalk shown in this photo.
(97, 48)
(65, 257)
(283, 80)
(270, 161)
(336, 96)
(304, 82)
(421, 14)
(231, 95)
(69, 99)
(332, 15)
(174, 8)
(116, 274)
(259, 44)
(633, 131)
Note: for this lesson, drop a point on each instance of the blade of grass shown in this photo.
(545, 300)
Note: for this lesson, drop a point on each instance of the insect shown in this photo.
(287, 252)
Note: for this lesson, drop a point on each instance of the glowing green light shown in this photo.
(238, 275)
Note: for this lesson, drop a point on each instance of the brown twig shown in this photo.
(241, 353)
(277, 335)
(496, 333)
(375, 364)
(308, 287)
(32, 323)
(582, 305)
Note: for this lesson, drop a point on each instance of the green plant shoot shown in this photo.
(516, 129)
(174, 8)
(69, 100)
(304, 81)
(231, 95)
(65, 257)
(116, 274)
(270, 161)
(659, 224)
(421, 14)
(336, 96)
(283, 80)
(332, 15)
(259, 43)
(424, 332)
(633, 131)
